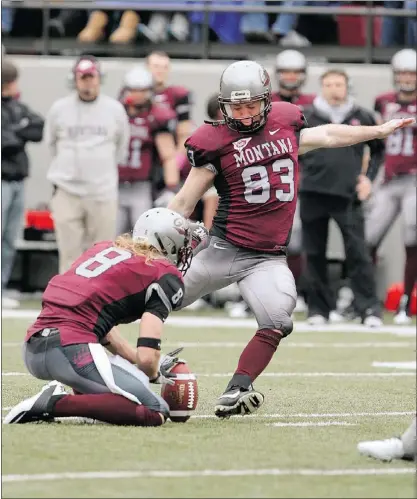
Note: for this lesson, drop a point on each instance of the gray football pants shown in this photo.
(392, 198)
(47, 359)
(265, 281)
(134, 199)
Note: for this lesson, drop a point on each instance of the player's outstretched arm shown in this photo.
(332, 135)
(198, 182)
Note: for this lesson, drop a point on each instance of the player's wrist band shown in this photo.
(149, 343)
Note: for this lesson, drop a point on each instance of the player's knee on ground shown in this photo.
(158, 404)
(280, 321)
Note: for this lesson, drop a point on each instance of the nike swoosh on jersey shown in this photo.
(273, 132)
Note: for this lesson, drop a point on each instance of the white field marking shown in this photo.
(94, 475)
(285, 375)
(301, 415)
(397, 365)
(224, 322)
(289, 344)
(309, 424)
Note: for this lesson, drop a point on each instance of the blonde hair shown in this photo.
(139, 248)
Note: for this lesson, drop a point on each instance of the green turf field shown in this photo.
(323, 395)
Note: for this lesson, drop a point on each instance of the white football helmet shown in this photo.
(138, 78)
(169, 233)
(291, 60)
(404, 61)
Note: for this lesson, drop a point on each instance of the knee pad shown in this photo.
(281, 322)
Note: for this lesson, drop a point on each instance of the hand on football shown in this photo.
(391, 126)
(363, 188)
(166, 363)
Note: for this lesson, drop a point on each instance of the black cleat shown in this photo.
(36, 408)
(238, 401)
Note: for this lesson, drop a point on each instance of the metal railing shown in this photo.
(369, 11)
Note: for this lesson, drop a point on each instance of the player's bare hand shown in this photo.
(391, 126)
(363, 188)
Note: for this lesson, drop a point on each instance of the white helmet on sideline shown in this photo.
(294, 61)
(404, 61)
(169, 233)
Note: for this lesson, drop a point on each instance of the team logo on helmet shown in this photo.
(265, 79)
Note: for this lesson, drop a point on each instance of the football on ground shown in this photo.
(182, 397)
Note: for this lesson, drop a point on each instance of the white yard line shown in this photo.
(285, 375)
(224, 322)
(286, 344)
(305, 415)
(302, 415)
(94, 475)
(396, 365)
(308, 424)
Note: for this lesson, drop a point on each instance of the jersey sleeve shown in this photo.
(182, 104)
(164, 296)
(202, 147)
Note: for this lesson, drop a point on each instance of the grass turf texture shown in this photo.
(237, 444)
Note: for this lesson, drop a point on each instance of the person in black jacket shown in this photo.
(333, 185)
(19, 125)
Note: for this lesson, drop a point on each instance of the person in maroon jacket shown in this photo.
(113, 282)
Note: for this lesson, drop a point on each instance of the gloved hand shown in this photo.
(199, 233)
(166, 363)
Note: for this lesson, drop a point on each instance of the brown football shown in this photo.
(182, 397)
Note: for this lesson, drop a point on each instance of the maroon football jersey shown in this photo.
(256, 177)
(176, 98)
(401, 146)
(142, 152)
(106, 286)
(301, 100)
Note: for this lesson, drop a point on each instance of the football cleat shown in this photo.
(316, 320)
(35, 409)
(385, 450)
(238, 401)
(402, 318)
(371, 319)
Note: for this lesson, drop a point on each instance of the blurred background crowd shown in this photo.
(127, 26)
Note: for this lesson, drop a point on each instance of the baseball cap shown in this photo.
(87, 67)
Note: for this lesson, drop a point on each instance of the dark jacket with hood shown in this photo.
(19, 125)
(335, 171)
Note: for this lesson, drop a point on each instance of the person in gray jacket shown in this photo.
(19, 125)
(88, 135)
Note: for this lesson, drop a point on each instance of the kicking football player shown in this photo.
(398, 192)
(152, 129)
(404, 447)
(112, 283)
(252, 159)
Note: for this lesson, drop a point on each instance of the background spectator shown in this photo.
(19, 125)
(394, 28)
(88, 134)
(333, 186)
